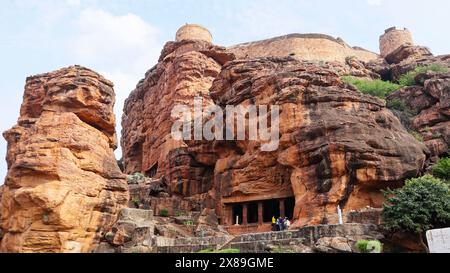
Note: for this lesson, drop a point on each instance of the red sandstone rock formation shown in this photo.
(186, 70)
(338, 147)
(428, 102)
(63, 187)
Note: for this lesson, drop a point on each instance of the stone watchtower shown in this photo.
(193, 32)
(393, 38)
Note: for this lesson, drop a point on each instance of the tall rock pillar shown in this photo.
(63, 188)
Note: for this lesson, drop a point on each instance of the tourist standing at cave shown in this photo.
(274, 223)
(280, 224)
(287, 223)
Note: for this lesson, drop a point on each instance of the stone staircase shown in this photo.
(325, 238)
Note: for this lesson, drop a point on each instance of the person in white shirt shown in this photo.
(287, 223)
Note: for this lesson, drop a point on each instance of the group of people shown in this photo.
(280, 223)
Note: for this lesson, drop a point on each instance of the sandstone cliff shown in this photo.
(426, 104)
(63, 187)
(186, 70)
(338, 146)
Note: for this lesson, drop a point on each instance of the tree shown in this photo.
(442, 169)
(422, 204)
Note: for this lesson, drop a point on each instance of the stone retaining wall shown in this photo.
(308, 239)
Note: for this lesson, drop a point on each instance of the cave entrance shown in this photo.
(237, 214)
(289, 207)
(271, 208)
(152, 171)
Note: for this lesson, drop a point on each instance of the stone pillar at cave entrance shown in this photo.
(260, 213)
(282, 208)
(245, 214)
(230, 216)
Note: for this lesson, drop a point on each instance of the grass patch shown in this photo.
(365, 246)
(409, 78)
(377, 88)
(223, 251)
(280, 250)
(417, 136)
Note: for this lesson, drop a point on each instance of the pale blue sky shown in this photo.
(123, 38)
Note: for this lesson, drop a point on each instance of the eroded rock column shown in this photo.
(63, 188)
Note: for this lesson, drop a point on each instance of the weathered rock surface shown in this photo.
(133, 232)
(338, 146)
(427, 104)
(63, 187)
(186, 70)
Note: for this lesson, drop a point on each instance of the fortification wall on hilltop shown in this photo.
(303, 46)
(193, 32)
(393, 38)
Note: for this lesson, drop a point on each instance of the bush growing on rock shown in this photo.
(164, 213)
(422, 204)
(409, 79)
(376, 88)
(442, 169)
(365, 246)
(416, 135)
(135, 178)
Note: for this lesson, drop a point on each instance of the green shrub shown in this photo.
(135, 178)
(374, 246)
(442, 169)
(422, 204)
(136, 202)
(365, 246)
(409, 78)
(397, 104)
(437, 135)
(164, 213)
(417, 136)
(377, 88)
(180, 214)
(362, 246)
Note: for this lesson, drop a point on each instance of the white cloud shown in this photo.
(374, 2)
(120, 47)
(106, 39)
(73, 2)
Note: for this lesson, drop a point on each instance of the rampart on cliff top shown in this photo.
(310, 47)
(303, 46)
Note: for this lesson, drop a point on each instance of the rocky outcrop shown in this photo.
(337, 147)
(63, 188)
(426, 105)
(132, 233)
(186, 70)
